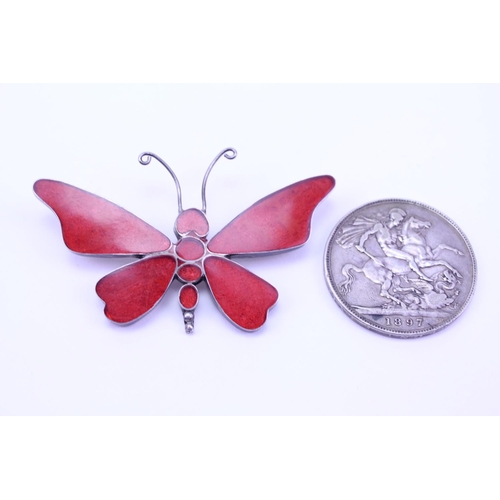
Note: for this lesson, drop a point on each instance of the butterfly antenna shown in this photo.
(145, 159)
(230, 154)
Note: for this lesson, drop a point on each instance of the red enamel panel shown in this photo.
(280, 221)
(188, 296)
(244, 297)
(192, 220)
(189, 272)
(131, 291)
(190, 249)
(92, 225)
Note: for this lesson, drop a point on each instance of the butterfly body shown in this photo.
(94, 226)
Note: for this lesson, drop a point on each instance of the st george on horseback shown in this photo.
(405, 248)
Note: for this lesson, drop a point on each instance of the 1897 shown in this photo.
(403, 321)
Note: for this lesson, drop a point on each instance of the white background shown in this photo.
(271, 41)
(59, 355)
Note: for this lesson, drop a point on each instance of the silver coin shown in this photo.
(400, 268)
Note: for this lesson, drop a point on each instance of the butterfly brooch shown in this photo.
(92, 225)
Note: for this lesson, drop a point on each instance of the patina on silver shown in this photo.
(400, 268)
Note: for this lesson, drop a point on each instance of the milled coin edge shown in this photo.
(344, 306)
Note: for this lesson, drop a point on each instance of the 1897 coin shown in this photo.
(400, 268)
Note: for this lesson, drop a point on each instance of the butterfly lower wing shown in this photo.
(242, 296)
(92, 225)
(280, 221)
(134, 289)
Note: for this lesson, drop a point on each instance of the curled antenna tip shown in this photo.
(144, 158)
(231, 154)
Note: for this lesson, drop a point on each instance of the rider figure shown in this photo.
(387, 238)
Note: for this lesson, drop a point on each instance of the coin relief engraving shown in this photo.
(400, 268)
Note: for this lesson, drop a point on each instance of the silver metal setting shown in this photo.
(400, 268)
(145, 159)
(226, 152)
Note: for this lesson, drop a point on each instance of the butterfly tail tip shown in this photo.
(188, 321)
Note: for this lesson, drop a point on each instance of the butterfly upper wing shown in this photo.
(280, 221)
(243, 297)
(92, 225)
(134, 289)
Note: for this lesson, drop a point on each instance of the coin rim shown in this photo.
(346, 308)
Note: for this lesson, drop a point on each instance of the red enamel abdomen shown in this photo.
(190, 273)
(190, 249)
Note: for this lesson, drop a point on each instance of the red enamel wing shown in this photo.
(94, 226)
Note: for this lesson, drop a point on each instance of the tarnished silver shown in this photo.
(226, 152)
(400, 268)
(229, 153)
(145, 159)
